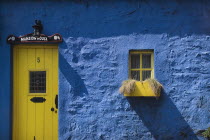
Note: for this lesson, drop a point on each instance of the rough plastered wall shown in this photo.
(91, 71)
(93, 61)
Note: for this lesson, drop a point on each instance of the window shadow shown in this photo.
(162, 118)
(78, 87)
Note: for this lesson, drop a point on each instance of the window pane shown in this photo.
(146, 60)
(37, 82)
(135, 75)
(135, 61)
(146, 74)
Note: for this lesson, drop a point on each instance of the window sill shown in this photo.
(142, 89)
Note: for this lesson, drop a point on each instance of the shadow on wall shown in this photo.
(77, 84)
(162, 118)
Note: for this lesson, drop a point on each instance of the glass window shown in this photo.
(37, 81)
(141, 65)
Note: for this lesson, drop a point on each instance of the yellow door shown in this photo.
(35, 91)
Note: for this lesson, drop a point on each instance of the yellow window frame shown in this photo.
(140, 52)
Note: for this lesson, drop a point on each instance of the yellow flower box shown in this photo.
(142, 89)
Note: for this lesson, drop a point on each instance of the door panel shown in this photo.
(22, 90)
(31, 113)
(55, 88)
(40, 65)
(35, 120)
(48, 113)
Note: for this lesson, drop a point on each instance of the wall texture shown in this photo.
(93, 61)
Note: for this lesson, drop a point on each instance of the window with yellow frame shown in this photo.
(141, 65)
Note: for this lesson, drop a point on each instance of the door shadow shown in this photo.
(162, 118)
(78, 87)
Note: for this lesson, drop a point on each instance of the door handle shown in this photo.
(56, 101)
(52, 109)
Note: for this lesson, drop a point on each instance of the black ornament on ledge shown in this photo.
(37, 27)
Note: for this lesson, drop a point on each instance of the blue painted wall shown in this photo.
(93, 61)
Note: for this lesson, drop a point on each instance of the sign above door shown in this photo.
(35, 37)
